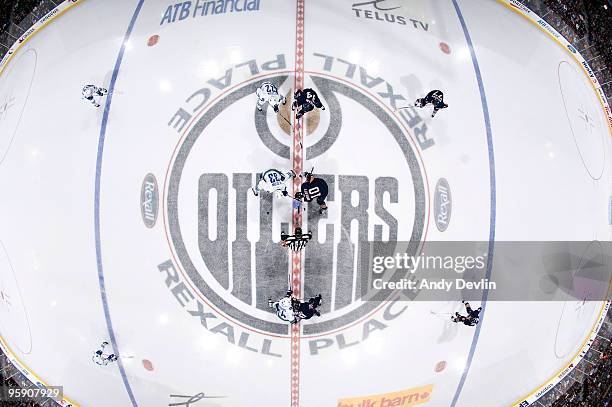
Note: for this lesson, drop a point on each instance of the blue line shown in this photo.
(107, 105)
(487, 122)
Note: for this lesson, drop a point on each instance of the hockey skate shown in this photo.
(322, 210)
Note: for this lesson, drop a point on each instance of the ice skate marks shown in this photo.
(14, 94)
(14, 321)
(584, 118)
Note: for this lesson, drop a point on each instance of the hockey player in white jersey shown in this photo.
(101, 358)
(91, 92)
(267, 93)
(274, 182)
(284, 308)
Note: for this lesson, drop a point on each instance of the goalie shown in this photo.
(268, 93)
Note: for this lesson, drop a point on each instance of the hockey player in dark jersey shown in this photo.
(314, 188)
(436, 98)
(305, 100)
(306, 310)
(472, 317)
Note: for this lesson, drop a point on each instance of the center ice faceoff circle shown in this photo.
(226, 240)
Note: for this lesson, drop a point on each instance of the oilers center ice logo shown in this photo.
(226, 241)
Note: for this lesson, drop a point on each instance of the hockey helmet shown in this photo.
(316, 301)
(285, 303)
(88, 91)
(274, 101)
(308, 174)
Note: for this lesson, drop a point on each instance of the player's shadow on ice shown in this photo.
(414, 87)
(449, 329)
(105, 83)
(449, 332)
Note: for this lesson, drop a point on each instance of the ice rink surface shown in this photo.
(134, 222)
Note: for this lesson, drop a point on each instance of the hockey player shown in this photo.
(436, 98)
(284, 307)
(306, 310)
(304, 101)
(314, 188)
(91, 91)
(292, 310)
(472, 317)
(274, 181)
(267, 93)
(100, 358)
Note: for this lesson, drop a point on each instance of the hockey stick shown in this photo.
(300, 108)
(582, 303)
(405, 107)
(285, 119)
(439, 314)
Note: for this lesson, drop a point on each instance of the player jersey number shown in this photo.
(311, 193)
(270, 89)
(274, 178)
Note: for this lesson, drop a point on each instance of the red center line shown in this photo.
(298, 163)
